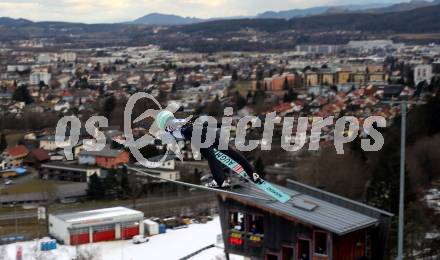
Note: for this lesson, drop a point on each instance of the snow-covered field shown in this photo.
(175, 244)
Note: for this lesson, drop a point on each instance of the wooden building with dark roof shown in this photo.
(312, 225)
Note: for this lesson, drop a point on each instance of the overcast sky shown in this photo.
(91, 11)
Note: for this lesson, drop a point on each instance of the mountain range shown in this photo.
(169, 19)
(165, 19)
(330, 27)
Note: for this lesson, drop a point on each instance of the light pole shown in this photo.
(401, 227)
(402, 182)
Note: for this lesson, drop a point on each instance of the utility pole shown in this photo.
(402, 182)
(401, 227)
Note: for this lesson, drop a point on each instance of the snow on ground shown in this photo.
(215, 253)
(174, 244)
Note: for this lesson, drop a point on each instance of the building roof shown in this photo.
(103, 153)
(98, 215)
(40, 154)
(68, 166)
(72, 190)
(17, 151)
(312, 210)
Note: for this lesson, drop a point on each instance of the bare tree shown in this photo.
(345, 174)
(87, 253)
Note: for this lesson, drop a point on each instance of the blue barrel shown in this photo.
(162, 229)
(44, 246)
(52, 245)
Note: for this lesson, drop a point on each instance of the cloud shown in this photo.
(125, 10)
(212, 3)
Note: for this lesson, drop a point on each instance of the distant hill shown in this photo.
(367, 8)
(165, 19)
(6, 21)
(280, 32)
(421, 20)
(294, 13)
(414, 4)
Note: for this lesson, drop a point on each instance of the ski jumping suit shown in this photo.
(215, 166)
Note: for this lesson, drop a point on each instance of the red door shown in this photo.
(78, 239)
(104, 233)
(129, 232)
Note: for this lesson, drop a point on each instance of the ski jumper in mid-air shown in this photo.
(181, 130)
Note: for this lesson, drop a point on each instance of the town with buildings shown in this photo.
(342, 206)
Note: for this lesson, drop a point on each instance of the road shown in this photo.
(21, 179)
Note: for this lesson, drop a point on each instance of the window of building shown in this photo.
(236, 221)
(303, 249)
(320, 242)
(287, 253)
(256, 224)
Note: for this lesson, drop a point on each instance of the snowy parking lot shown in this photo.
(174, 244)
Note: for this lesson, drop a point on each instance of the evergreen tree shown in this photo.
(286, 84)
(95, 188)
(240, 101)
(125, 185)
(249, 95)
(21, 94)
(234, 75)
(383, 191)
(259, 74)
(111, 184)
(290, 96)
(41, 85)
(109, 105)
(3, 143)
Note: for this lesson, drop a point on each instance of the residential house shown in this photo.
(36, 157)
(107, 158)
(313, 224)
(343, 77)
(376, 77)
(14, 156)
(48, 143)
(164, 173)
(168, 163)
(422, 73)
(311, 78)
(327, 77)
(39, 75)
(359, 77)
(278, 82)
